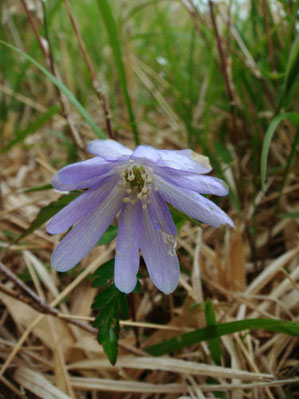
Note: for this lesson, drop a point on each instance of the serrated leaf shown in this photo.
(110, 301)
(105, 297)
(107, 309)
(103, 274)
(47, 212)
(213, 343)
(108, 333)
(182, 340)
(108, 236)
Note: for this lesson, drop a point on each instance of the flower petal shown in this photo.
(79, 171)
(82, 205)
(193, 204)
(160, 259)
(108, 149)
(199, 183)
(86, 233)
(184, 160)
(146, 153)
(160, 215)
(127, 247)
(58, 185)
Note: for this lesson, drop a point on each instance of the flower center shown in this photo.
(137, 180)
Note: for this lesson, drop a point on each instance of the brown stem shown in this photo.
(132, 310)
(197, 19)
(224, 66)
(75, 137)
(31, 299)
(35, 29)
(93, 78)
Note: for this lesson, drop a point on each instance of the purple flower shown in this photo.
(138, 184)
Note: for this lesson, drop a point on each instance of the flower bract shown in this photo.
(137, 185)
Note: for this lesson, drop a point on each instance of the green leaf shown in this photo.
(110, 301)
(180, 341)
(47, 212)
(108, 236)
(291, 72)
(103, 274)
(213, 343)
(111, 27)
(123, 306)
(105, 297)
(108, 332)
(38, 188)
(291, 116)
(32, 128)
(181, 217)
(62, 88)
(289, 215)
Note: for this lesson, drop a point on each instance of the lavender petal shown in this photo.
(58, 185)
(183, 160)
(81, 206)
(127, 247)
(193, 204)
(79, 171)
(109, 149)
(199, 183)
(160, 257)
(146, 154)
(160, 215)
(86, 233)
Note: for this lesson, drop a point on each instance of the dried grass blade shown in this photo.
(38, 384)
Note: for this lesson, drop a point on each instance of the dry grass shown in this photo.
(54, 359)
(246, 274)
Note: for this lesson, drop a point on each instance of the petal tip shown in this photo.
(50, 229)
(228, 223)
(60, 266)
(201, 160)
(125, 287)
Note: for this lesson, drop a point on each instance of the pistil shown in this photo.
(137, 181)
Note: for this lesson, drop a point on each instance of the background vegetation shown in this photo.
(218, 77)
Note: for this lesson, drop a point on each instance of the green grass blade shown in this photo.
(291, 116)
(62, 88)
(38, 188)
(213, 343)
(180, 341)
(291, 72)
(289, 215)
(32, 128)
(116, 49)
